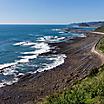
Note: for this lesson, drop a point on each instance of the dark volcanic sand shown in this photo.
(78, 64)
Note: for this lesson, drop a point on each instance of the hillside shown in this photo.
(87, 91)
(83, 25)
(100, 29)
(89, 24)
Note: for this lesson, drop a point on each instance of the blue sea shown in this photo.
(21, 47)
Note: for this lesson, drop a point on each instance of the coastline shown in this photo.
(78, 64)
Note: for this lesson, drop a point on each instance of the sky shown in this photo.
(51, 11)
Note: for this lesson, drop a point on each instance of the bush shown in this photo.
(88, 91)
(94, 72)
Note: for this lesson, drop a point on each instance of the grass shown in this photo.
(100, 29)
(100, 45)
(88, 91)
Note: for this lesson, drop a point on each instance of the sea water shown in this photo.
(21, 47)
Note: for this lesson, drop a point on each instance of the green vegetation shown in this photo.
(88, 91)
(100, 29)
(100, 45)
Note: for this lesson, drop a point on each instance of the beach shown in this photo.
(79, 62)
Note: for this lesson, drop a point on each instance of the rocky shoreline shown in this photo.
(31, 88)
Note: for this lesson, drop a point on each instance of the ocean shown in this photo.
(22, 46)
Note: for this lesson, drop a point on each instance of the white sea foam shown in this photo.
(56, 29)
(2, 85)
(9, 68)
(51, 39)
(58, 60)
(20, 74)
(41, 48)
(23, 60)
(25, 53)
(11, 82)
(4, 82)
(34, 45)
(19, 43)
(26, 58)
(29, 43)
(61, 38)
(3, 66)
(26, 43)
(61, 32)
(82, 35)
(9, 71)
(41, 45)
(41, 39)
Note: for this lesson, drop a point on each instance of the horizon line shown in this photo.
(34, 23)
(49, 23)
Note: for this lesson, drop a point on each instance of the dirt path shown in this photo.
(95, 50)
(98, 33)
(81, 58)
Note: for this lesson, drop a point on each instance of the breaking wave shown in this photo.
(9, 69)
(51, 39)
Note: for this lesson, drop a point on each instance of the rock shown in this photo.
(26, 77)
(29, 102)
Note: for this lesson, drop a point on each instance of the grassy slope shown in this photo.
(89, 91)
(100, 29)
(100, 45)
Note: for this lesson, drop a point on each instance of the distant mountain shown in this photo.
(84, 25)
(96, 24)
(88, 24)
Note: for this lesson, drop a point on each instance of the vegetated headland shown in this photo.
(82, 60)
